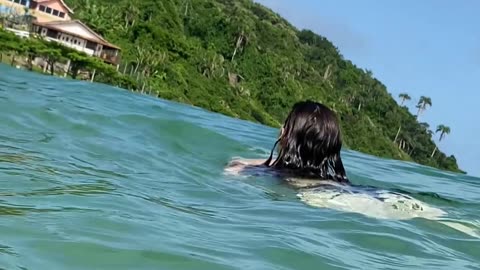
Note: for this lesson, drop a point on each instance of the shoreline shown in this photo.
(345, 147)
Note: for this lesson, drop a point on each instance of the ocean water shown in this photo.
(95, 177)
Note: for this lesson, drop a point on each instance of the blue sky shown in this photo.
(428, 47)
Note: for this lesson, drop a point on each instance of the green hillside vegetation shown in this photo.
(243, 60)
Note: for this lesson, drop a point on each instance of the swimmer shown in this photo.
(309, 159)
(308, 148)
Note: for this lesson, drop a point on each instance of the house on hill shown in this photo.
(42, 10)
(77, 35)
(14, 7)
(52, 20)
(50, 10)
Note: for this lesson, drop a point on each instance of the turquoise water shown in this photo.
(94, 177)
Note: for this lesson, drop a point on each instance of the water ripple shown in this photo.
(133, 182)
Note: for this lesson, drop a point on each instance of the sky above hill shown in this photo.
(429, 48)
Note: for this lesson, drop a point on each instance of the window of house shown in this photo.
(42, 8)
(48, 10)
(62, 15)
(55, 12)
(21, 2)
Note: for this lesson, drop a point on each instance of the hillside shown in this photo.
(241, 59)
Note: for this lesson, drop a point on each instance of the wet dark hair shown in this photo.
(310, 144)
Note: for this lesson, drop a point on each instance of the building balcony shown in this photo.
(110, 56)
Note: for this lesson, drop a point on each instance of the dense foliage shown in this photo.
(243, 60)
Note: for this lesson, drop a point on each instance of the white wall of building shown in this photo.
(76, 43)
(72, 40)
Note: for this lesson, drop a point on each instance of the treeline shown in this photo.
(57, 59)
(243, 60)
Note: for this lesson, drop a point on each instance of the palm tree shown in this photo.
(443, 131)
(422, 104)
(404, 96)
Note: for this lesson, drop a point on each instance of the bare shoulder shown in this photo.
(237, 165)
(308, 183)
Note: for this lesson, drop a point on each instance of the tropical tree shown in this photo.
(154, 59)
(80, 61)
(443, 131)
(51, 56)
(425, 126)
(18, 49)
(12, 45)
(398, 133)
(31, 50)
(422, 104)
(404, 97)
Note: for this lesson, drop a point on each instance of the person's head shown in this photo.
(310, 143)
